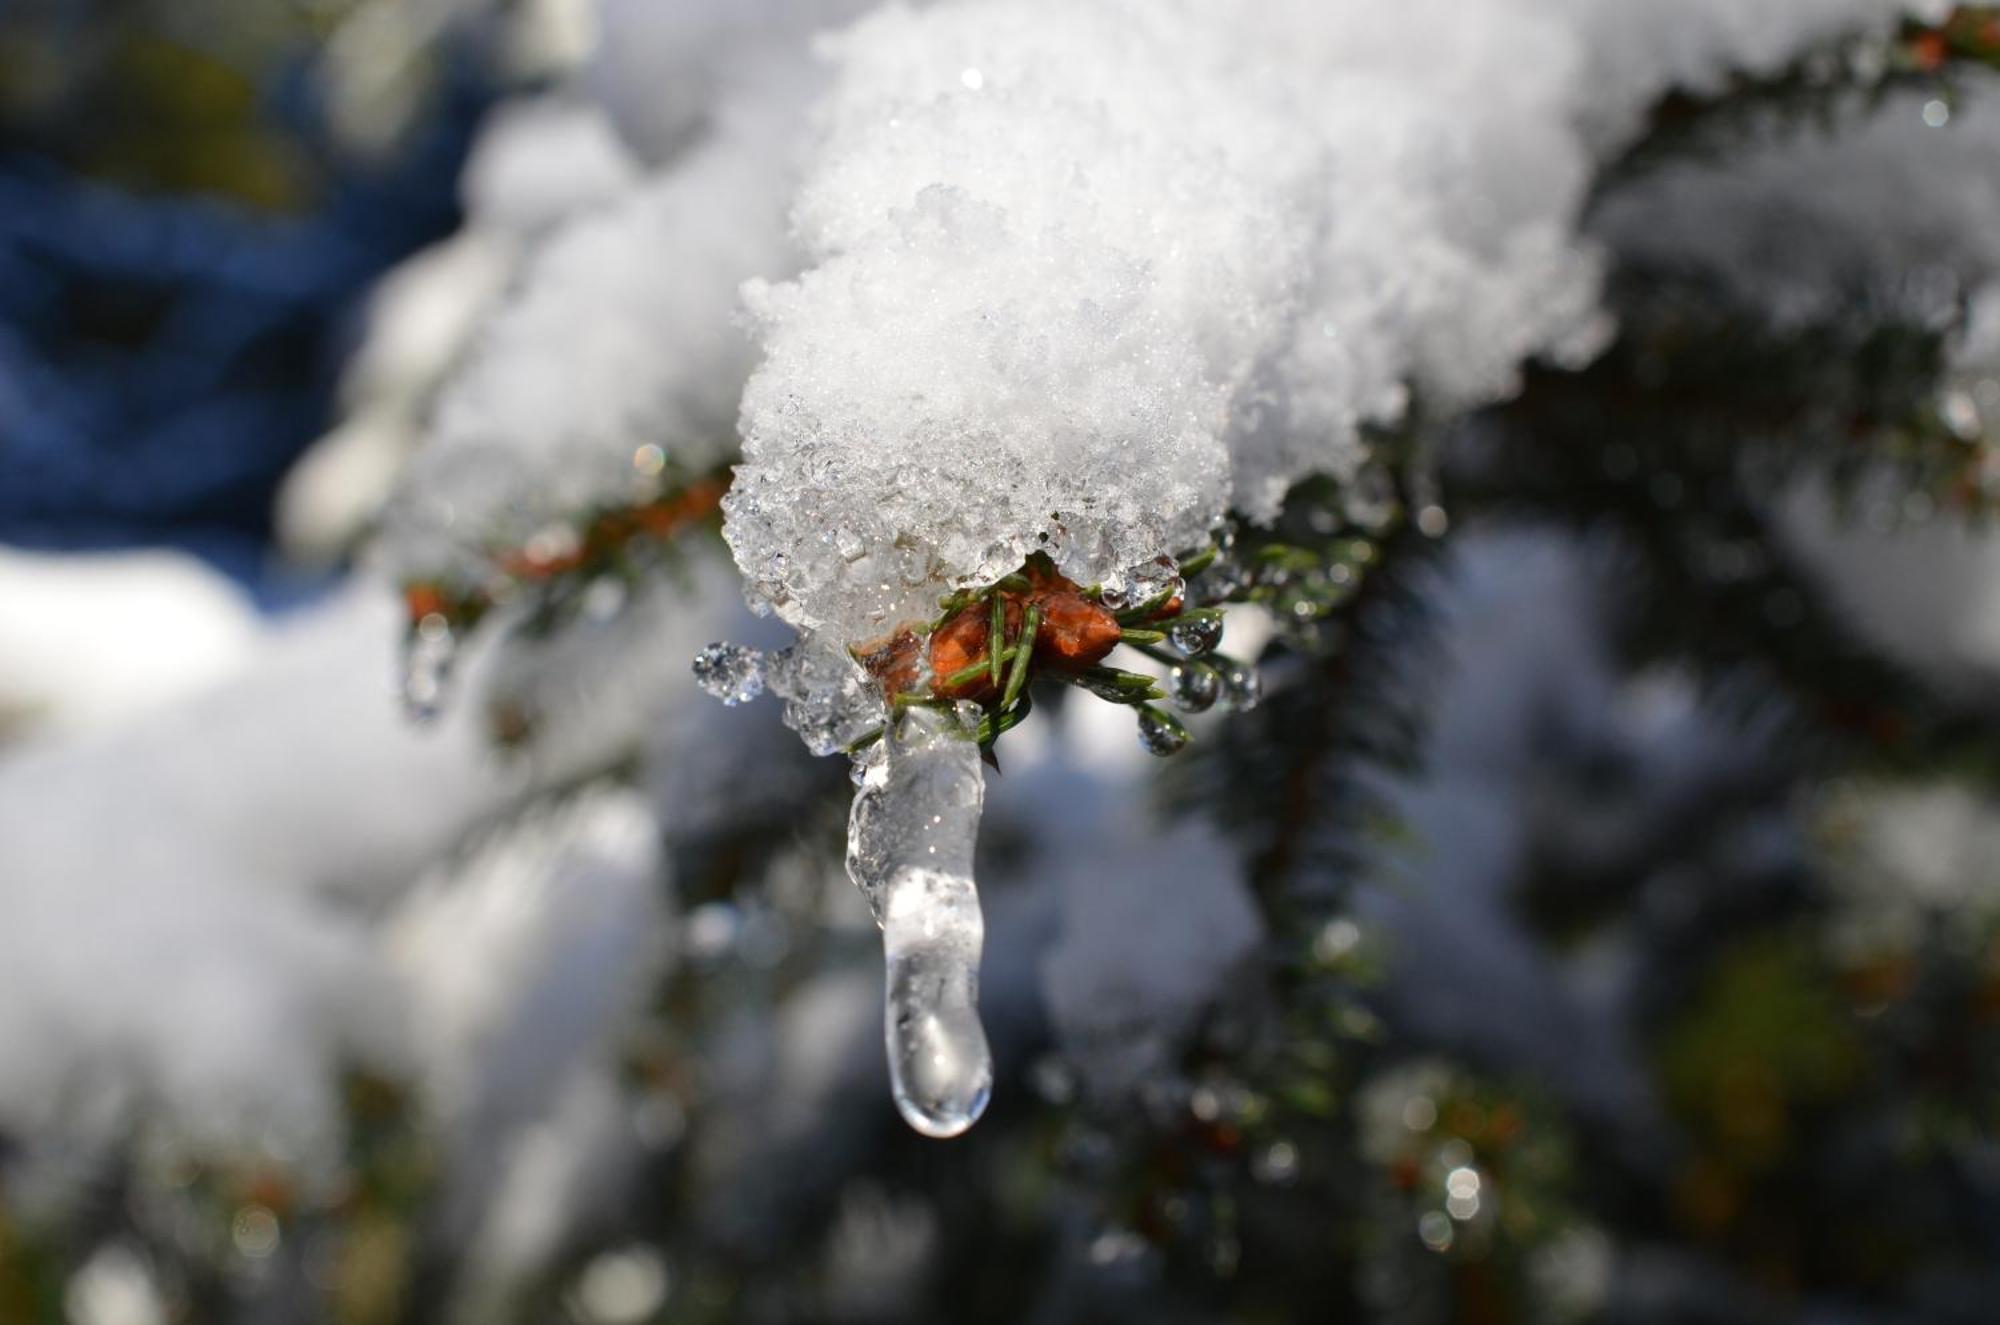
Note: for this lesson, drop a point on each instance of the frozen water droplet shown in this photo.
(1193, 687)
(909, 849)
(1196, 633)
(1154, 579)
(430, 650)
(829, 700)
(1160, 733)
(730, 672)
(1242, 687)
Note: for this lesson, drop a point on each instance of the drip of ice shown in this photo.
(909, 850)
(430, 650)
(730, 672)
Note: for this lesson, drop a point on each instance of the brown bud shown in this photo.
(962, 642)
(421, 600)
(1076, 633)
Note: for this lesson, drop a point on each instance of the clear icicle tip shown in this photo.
(939, 1064)
(910, 838)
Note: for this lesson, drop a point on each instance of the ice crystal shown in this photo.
(730, 672)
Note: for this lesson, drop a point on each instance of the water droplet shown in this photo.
(1160, 732)
(730, 672)
(1196, 633)
(1242, 687)
(430, 650)
(1193, 687)
(255, 1231)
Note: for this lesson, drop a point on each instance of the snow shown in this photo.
(537, 162)
(542, 159)
(91, 641)
(579, 371)
(1082, 276)
(1888, 215)
(1125, 975)
(200, 918)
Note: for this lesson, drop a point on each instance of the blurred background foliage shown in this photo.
(191, 206)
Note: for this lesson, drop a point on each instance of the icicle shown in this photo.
(909, 850)
(430, 648)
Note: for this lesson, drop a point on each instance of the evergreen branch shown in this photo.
(1819, 91)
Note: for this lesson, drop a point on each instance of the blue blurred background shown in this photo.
(185, 231)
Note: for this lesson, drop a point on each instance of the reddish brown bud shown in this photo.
(963, 641)
(422, 600)
(1076, 633)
